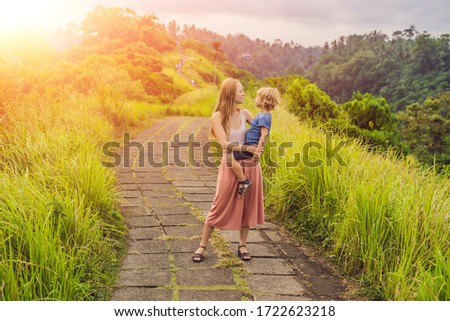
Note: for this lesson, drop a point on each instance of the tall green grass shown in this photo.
(61, 233)
(385, 221)
(200, 102)
(60, 229)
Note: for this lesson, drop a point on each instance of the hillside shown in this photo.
(263, 59)
(157, 66)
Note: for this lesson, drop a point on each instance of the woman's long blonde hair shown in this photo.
(226, 103)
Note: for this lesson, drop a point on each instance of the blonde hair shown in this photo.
(270, 97)
(226, 103)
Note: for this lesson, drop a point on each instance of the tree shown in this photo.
(308, 101)
(369, 112)
(107, 24)
(369, 117)
(218, 50)
(426, 129)
(425, 53)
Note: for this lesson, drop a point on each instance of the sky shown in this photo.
(304, 22)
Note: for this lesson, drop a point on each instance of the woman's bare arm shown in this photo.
(221, 136)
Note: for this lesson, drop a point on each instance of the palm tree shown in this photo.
(216, 45)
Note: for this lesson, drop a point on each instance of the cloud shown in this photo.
(303, 21)
(354, 16)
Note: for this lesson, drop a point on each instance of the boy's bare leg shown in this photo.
(237, 170)
(235, 167)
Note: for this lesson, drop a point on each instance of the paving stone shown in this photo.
(159, 193)
(149, 175)
(273, 266)
(171, 210)
(184, 260)
(142, 294)
(262, 250)
(147, 169)
(268, 297)
(268, 226)
(194, 190)
(205, 277)
(311, 267)
(208, 177)
(144, 277)
(210, 295)
(150, 180)
(123, 170)
(253, 236)
(188, 183)
(133, 202)
(136, 208)
(146, 261)
(329, 287)
(128, 187)
(321, 278)
(142, 233)
(147, 246)
(126, 180)
(130, 194)
(199, 198)
(292, 250)
(183, 230)
(152, 187)
(164, 201)
(276, 284)
(179, 219)
(202, 205)
(276, 236)
(210, 183)
(142, 221)
(133, 211)
(185, 246)
(186, 177)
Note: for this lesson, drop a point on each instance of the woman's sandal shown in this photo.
(245, 256)
(198, 257)
(243, 185)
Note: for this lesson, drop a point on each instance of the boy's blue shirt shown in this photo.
(254, 132)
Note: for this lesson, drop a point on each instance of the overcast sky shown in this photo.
(305, 22)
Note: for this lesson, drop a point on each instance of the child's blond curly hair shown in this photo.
(270, 97)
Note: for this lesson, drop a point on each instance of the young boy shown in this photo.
(267, 99)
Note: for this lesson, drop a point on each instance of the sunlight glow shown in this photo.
(26, 14)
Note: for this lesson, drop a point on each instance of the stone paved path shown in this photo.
(164, 205)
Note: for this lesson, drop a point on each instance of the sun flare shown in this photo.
(26, 14)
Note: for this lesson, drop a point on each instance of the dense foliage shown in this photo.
(426, 128)
(357, 85)
(405, 69)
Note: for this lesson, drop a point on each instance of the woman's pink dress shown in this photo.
(228, 211)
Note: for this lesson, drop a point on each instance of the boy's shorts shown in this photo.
(238, 155)
(242, 155)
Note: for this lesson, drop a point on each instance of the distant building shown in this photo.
(246, 56)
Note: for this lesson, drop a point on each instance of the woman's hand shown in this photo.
(257, 156)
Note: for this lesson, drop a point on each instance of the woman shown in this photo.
(228, 210)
